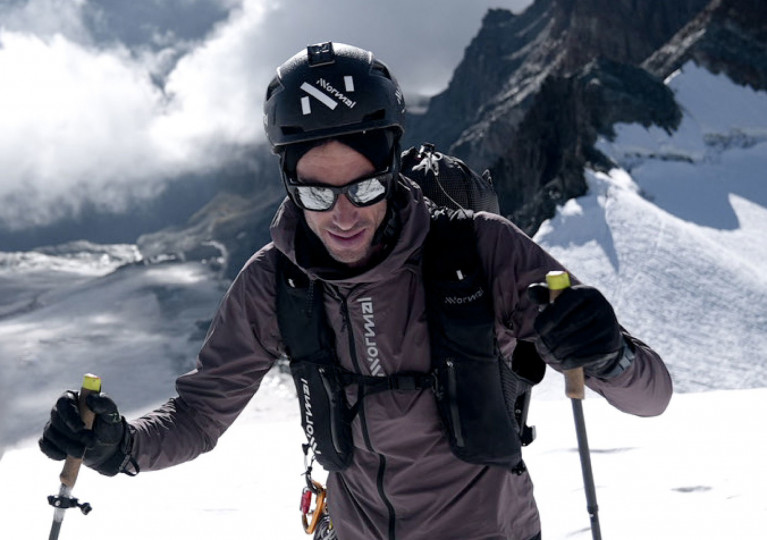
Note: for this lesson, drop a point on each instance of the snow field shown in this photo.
(695, 472)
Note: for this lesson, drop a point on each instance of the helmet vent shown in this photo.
(291, 130)
(272, 87)
(380, 114)
(380, 69)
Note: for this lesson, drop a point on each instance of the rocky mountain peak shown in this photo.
(622, 30)
(535, 90)
(513, 54)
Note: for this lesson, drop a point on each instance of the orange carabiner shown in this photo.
(310, 517)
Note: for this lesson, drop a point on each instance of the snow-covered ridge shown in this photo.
(84, 258)
(675, 235)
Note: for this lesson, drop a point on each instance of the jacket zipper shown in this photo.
(452, 394)
(363, 423)
(331, 398)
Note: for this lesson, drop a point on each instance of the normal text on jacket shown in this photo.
(308, 416)
(458, 300)
(371, 347)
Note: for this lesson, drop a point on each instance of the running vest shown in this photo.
(482, 398)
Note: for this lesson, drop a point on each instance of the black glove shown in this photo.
(579, 329)
(105, 447)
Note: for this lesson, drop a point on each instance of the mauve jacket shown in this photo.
(404, 482)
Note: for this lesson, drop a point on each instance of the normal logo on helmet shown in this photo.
(327, 94)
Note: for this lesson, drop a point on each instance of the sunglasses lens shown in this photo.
(315, 198)
(367, 191)
(318, 198)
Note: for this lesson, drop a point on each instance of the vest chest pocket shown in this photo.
(475, 390)
(325, 414)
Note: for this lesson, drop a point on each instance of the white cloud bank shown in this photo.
(72, 118)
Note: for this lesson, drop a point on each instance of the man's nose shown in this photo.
(344, 212)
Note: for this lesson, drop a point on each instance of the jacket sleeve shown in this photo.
(513, 262)
(239, 349)
(645, 387)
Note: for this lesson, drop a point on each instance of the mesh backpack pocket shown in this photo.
(448, 181)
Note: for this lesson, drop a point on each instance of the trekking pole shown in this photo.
(68, 476)
(574, 389)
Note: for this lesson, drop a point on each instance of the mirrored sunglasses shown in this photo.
(364, 191)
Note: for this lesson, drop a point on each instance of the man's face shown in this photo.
(345, 230)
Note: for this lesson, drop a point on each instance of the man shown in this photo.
(356, 227)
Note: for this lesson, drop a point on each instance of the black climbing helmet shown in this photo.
(328, 90)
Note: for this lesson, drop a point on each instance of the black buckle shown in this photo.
(403, 382)
(520, 468)
(69, 502)
(528, 435)
(410, 381)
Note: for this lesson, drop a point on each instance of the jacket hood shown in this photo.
(289, 230)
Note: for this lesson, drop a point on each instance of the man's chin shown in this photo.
(349, 258)
(352, 257)
(354, 253)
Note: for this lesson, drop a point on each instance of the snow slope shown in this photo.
(659, 478)
(71, 312)
(674, 236)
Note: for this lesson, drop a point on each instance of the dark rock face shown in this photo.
(729, 36)
(497, 62)
(533, 91)
(555, 140)
(622, 30)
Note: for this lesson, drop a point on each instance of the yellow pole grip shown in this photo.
(558, 281)
(91, 385)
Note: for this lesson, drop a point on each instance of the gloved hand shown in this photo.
(105, 447)
(579, 329)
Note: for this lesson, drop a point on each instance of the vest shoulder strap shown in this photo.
(451, 246)
(300, 316)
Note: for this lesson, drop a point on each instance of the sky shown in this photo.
(684, 274)
(103, 100)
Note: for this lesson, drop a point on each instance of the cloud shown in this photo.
(216, 90)
(72, 118)
(90, 120)
(45, 18)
